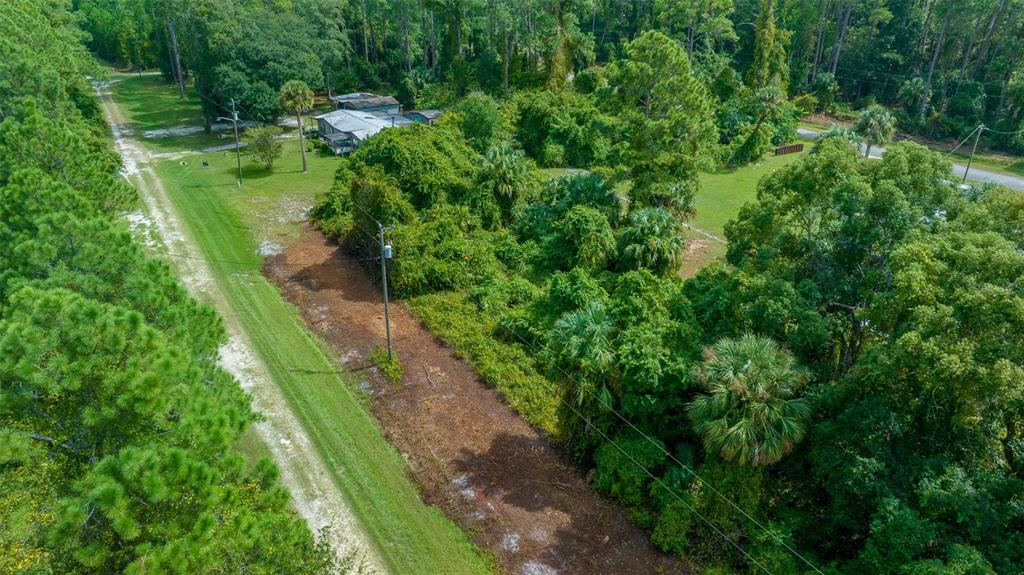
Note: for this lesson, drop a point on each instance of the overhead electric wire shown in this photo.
(665, 487)
(979, 127)
(673, 458)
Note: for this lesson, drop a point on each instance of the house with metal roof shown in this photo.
(344, 130)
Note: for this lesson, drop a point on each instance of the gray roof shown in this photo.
(359, 124)
(364, 100)
(428, 114)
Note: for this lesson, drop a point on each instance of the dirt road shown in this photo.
(472, 455)
(302, 470)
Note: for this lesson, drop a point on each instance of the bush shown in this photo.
(390, 366)
(806, 104)
(480, 119)
(618, 474)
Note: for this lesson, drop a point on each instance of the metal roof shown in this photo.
(364, 100)
(359, 124)
(428, 114)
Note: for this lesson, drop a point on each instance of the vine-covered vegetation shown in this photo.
(117, 426)
(850, 379)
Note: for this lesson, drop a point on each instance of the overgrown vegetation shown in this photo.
(796, 365)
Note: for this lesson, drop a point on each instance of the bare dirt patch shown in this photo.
(471, 454)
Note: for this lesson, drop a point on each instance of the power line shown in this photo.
(987, 129)
(665, 487)
(979, 127)
(673, 458)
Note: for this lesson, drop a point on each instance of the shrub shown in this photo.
(582, 238)
(617, 474)
(480, 119)
(390, 366)
(428, 163)
(806, 104)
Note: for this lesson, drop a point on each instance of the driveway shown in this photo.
(975, 175)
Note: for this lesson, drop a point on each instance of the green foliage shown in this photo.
(389, 365)
(620, 468)
(563, 128)
(481, 120)
(507, 367)
(669, 126)
(263, 144)
(505, 181)
(749, 412)
(652, 239)
(806, 104)
(876, 125)
(430, 164)
(582, 238)
(117, 426)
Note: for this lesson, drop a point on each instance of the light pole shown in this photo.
(234, 122)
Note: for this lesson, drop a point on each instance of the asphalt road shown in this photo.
(975, 175)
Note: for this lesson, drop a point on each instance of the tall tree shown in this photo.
(769, 65)
(296, 98)
(876, 125)
(750, 412)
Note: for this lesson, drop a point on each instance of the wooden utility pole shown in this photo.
(238, 154)
(980, 129)
(385, 255)
(176, 57)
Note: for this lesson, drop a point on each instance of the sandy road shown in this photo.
(314, 495)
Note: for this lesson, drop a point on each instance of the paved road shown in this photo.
(975, 175)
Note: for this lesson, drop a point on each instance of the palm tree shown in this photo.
(296, 98)
(749, 412)
(505, 173)
(876, 125)
(584, 338)
(653, 240)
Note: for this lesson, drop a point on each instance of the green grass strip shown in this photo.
(411, 536)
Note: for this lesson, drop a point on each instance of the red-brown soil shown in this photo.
(471, 454)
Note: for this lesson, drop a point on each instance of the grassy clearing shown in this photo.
(226, 223)
(724, 192)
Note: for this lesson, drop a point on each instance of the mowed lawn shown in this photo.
(151, 104)
(725, 191)
(231, 225)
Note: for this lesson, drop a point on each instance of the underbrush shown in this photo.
(504, 366)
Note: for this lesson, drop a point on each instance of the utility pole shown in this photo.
(981, 128)
(385, 255)
(238, 155)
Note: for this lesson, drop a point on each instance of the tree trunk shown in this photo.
(837, 49)
(819, 41)
(506, 60)
(366, 34)
(935, 54)
(997, 18)
(175, 57)
(406, 50)
(302, 141)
